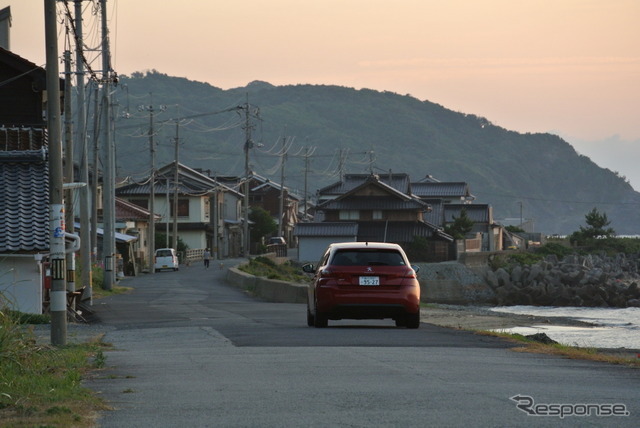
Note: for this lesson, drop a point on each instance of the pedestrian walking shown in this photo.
(207, 256)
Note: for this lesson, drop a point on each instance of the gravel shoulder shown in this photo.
(482, 318)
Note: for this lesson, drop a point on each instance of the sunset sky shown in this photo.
(571, 67)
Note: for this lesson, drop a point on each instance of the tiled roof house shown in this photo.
(208, 210)
(382, 208)
(24, 183)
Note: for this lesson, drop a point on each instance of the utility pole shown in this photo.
(307, 155)
(341, 164)
(247, 172)
(175, 189)
(108, 181)
(520, 213)
(68, 170)
(58, 306)
(372, 160)
(152, 192)
(283, 161)
(81, 141)
(96, 173)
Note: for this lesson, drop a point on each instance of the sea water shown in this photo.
(612, 327)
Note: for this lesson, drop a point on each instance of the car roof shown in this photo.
(359, 245)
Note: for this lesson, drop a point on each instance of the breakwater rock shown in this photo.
(592, 280)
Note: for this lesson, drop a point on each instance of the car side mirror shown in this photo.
(309, 268)
(415, 268)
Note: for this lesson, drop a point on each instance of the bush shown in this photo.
(267, 268)
(22, 318)
(556, 249)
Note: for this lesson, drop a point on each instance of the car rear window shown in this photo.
(367, 257)
(164, 253)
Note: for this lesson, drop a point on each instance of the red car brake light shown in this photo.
(410, 273)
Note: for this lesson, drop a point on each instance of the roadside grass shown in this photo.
(571, 352)
(99, 292)
(40, 385)
(267, 268)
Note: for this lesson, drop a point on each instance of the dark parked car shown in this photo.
(363, 280)
(277, 240)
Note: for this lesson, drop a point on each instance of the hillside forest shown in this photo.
(319, 132)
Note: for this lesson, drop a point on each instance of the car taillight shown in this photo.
(325, 275)
(410, 273)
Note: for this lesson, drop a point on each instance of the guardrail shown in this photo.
(279, 249)
(193, 255)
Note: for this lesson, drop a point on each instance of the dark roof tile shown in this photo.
(24, 201)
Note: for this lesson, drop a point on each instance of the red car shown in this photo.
(363, 280)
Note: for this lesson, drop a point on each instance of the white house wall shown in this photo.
(311, 249)
(194, 239)
(21, 284)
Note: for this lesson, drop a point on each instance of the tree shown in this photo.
(515, 229)
(460, 226)
(263, 224)
(596, 228)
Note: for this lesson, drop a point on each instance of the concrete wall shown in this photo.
(448, 283)
(270, 290)
(21, 284)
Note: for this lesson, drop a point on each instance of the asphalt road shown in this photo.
(192, 351)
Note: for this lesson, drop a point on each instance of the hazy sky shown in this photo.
(571, 67)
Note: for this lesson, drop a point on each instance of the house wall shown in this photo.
(22, 99)
(232, 207)
(367, 215)
(198, 212)
(139, 247)
(229, 236)
(271, 201)
(21, 284)
(311, 249)
(194, 239)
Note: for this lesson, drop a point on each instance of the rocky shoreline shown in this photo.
(592, 280)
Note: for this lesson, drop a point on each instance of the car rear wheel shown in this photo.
(320, 321)
(310, 317)
(413, 320)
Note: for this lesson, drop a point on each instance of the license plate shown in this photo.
(369, 280)
(164, 266)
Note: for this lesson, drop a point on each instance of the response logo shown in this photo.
(527, 405)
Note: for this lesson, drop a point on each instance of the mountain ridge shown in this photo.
(364, 130)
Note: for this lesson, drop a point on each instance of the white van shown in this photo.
(166, 258)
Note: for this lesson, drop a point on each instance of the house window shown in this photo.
(183, 208)
(349, 215)
(377, 215)
(144, 203)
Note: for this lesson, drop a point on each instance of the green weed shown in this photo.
(41, 384)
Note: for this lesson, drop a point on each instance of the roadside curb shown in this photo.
(271, 290)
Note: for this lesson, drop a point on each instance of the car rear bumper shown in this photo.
(358, 303)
